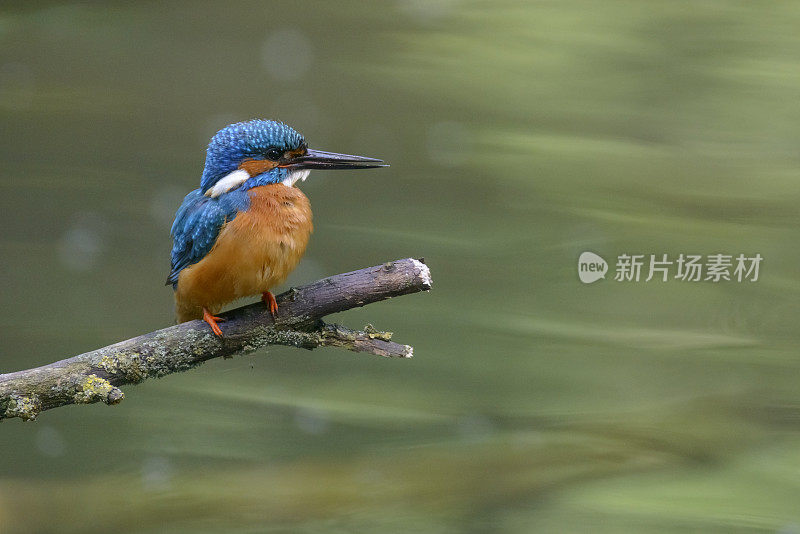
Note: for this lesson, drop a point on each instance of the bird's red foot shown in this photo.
(212, 322)
(269, 299)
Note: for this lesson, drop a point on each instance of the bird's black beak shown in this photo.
(318, 159)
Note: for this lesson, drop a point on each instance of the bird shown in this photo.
(247, 226)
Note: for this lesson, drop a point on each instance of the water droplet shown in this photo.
(82, 243)
(287, 54)
(475, 428)
(50, 442)
(427, 11)
(311, 421)
(156, 473)
(448, 143)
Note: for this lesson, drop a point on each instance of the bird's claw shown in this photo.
(269, 299)
(212, 321)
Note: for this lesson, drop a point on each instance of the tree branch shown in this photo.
(94, 376)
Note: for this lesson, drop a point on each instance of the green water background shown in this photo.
(520, 135)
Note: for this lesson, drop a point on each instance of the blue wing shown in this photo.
(197, 225)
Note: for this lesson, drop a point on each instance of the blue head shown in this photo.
(260, 152)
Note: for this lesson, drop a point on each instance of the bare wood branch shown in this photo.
(95, 376)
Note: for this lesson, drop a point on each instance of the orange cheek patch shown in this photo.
(254, 167)
(289, 154)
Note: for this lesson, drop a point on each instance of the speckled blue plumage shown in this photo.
(200, 218)
(243, 140)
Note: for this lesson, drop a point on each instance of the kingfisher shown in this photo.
(246, 227)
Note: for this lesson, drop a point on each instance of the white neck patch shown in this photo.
(228, 182)
(238, 177)
(294, 176)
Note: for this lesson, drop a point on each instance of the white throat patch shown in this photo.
(294, 176)
(228, 182)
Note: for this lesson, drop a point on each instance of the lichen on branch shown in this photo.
(96, 376)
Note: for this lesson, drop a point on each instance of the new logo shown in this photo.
(591, 267)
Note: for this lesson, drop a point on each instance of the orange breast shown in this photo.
(253, 253)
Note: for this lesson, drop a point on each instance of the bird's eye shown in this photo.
(274, 154)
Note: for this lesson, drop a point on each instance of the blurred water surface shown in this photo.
(520, 135)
